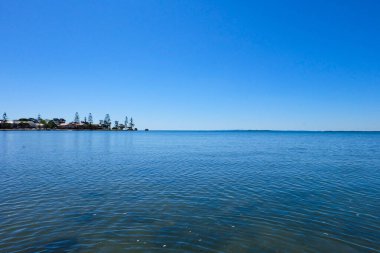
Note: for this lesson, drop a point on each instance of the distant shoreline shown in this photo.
(270, 131)
(63, 130)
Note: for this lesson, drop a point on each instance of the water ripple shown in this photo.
(189, 192)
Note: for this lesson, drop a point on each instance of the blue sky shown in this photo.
(312, 65)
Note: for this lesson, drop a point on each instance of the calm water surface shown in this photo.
(189, 192)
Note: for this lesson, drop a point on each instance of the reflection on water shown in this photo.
(189, 192)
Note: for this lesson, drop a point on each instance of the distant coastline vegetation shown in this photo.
(61, 124)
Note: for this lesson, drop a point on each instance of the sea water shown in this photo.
(189, 191)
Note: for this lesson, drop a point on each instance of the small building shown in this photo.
(23, 123)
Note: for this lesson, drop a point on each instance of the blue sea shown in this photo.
(189, 191)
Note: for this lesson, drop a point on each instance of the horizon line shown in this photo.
(260, 130)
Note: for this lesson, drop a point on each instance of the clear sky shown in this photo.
(312, 65)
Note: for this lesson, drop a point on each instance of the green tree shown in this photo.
(76, 118)
(90, 119)
(5, 117)
(23, 125)
(44, 123)
(51, 125)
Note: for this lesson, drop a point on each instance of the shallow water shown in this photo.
(189, 192)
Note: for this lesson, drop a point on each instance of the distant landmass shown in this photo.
(61, 124)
